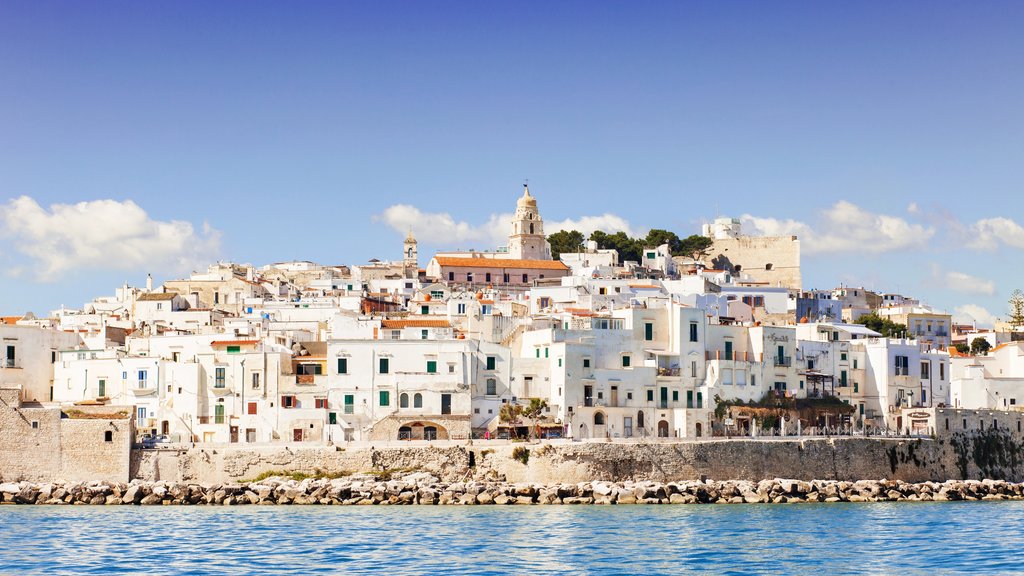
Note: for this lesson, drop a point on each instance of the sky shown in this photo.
(159, 137)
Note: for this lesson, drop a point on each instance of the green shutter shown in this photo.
(385, 398)
(383, 365)
(648, 331)
(650, 395)
(424, 309)
(700, 399)
(332, 418)
(342, 365)
(491, 362)
(432, 366)
(689, 398)
(625, 361)
(234, 349)
(675, 395)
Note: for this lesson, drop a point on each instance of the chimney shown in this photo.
(149, 282)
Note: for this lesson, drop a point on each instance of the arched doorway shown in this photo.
(663, 429)
(641, 430)
(405, 433)
(699, 430)
(598, 419)
(430, 432)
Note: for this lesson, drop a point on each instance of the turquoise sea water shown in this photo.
(892, 538)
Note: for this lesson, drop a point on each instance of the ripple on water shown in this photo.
(834, 538)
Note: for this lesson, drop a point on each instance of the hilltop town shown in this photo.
(717, 340)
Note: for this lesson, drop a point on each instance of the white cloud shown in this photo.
(102, 234)
(845, 227)
(988, 233)
(974, 314)
(441, 228)
(961, 282)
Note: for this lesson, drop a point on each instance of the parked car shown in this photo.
(150, 441)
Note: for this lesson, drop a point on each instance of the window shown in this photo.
(843, 356)
(648, 331)
(854, 363)
(396, 334)
(342, 365)
(451, 276)
(35, 424)
(842, 378)
(460, 309)
(286, 402)
(538, 352)
(234, 349)
(693, 368)
(218, 414)
(700, 399)
(487, 277)
(255, 380)
(689, 398)
(251, 409)
(693, 331)
(492, 387)
(651, 255)
(525, 278)
(942, 370)
(586, 362)
(349, 403)
(856, 387)
(431, 366)
(469, 276)
(926, 370)
(546, 351)
(332, 418)
(108, 436)
(219, 376)
(451, 368)
(403, 400)
(424, 309)
(505, 278)
(675, 395)
(143, 377)
(902, 365)
(417, 400)
(436, 294)
(753, 380)
(102, 388)
(424, 334)
(650, 395)
(559, 362)
(383, 366)
(385, 398)
(491, 360)
(625, 361)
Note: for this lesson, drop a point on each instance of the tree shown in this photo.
(510, 413)
(980, 346)
(883, 326)
(533, 411)
(658, 237)
(695, 246)
(628, 248)
(565, 241)
(1017, 309)
(963, 348)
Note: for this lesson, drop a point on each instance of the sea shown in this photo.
(839, 538)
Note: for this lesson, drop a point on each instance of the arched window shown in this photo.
(417, 400)
(403, 400)
(640, 419)
(492, 387)
(598, 419)
(405, 433)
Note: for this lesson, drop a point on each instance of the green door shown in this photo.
(102, 388)
(664, 397)
(781, 355)
(648, 331)
(728, 350)
(218, 414)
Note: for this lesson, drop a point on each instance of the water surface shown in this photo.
(879, 538)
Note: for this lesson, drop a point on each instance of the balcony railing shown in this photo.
(349, 409)
(668, 371)
(588, 401)
(784, 361)
(9, 363)
(305, 379)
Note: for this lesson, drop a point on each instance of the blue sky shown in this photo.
(888, 135)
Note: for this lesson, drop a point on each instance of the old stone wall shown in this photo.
(41, 443)
(754, 254)
(990, 454)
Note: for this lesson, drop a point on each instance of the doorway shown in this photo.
(663, 429)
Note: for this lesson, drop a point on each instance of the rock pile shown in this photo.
(425, 489)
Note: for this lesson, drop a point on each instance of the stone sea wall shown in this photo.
(977, 455)
(424, 489)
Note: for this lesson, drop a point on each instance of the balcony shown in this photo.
(783, 361)
(142, 388)
(588, 401)
(212, 419)
(8, 363)
(221, 390)
(668, 372)
(305, 379)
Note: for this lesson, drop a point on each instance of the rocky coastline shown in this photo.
(425, 489)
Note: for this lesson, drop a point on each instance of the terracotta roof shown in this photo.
(645, 286)
(234, 342)
(156, 296)
(415, 324)
(451, 262)
(9, 319)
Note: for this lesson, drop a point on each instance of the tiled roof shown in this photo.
(451, 262)
(234, 342)
(157, 296)
(415, 324)
(645, 286)
(9, 319)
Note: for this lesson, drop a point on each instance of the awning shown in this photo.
(857, 330)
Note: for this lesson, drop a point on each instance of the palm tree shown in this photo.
(510, 414)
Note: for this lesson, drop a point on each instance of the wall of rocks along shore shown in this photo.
(992, 454)
(425, 489)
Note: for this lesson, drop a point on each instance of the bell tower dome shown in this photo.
(527, 240)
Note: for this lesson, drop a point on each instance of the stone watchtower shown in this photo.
(527, 241)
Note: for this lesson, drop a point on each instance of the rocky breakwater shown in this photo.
(424, 489)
